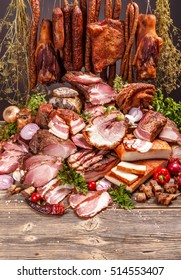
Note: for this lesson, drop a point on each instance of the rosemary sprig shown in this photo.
(68, 175)
(122, 197)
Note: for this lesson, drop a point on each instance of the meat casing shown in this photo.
(67, 50)
(90, 19)
(35, 6)
(58, 30)
(77, 37)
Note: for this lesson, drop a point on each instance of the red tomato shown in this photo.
(92, 186)
(35, 197)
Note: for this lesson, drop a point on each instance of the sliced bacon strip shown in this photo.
(93, 205)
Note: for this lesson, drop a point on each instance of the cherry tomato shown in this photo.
(92, 186)
(35, 197)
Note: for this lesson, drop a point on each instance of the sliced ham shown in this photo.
(65, 92)
(8, 164)
(10, 160)
(62, 150)
(100, 94)
(75, 199)
(10, 146)
(93, 205)
(93, 110)
(170, 132)
(38, 159)
(48, 144)
(105, 132)
(58, 127)
(42, 174)
(80, 141)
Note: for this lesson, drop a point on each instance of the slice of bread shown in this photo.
(159, 150)
(132, 167)
(126, 177)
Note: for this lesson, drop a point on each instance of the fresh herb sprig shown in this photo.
(119, 84)
(168, 107)
(35, 101)
(7, 130)
(68, 175)
(86, 116)
(122, 197)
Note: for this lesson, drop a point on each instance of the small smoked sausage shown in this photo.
(77, 37)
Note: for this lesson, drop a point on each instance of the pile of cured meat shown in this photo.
(107, 137)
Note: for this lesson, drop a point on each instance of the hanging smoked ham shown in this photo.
(148, 46)
(48, 68)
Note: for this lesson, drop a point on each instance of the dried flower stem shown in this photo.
(14, 62)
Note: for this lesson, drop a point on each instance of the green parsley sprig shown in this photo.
(168, 107)
(68, 175)
(35, 101)
(118, 84)
(122, 197)
(7, 130)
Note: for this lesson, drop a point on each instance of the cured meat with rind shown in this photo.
(105, 132)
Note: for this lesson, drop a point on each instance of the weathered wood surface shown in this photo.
(150, 233)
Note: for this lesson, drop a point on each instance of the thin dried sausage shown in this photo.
(77, 36)
(35, 6)
(90, 19)
(131, 39)
(67, 50)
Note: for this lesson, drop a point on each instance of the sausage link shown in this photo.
(130, 66)
(58, 30)
(131, 39)
(98, 6)
(117, 9)
(35, 7)
(108, 9)
(83, 7)
(116, 15)
(90, 19)
(67, 50)
(77, 36)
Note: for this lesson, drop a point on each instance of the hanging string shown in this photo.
(55, 1)
(148, 7)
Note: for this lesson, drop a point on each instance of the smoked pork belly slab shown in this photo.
(58, 127)
(72, 119)
(105, 132)
(170, 132)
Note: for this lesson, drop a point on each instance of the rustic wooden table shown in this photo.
(147, 232)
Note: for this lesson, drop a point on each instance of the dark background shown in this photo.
(48, 5)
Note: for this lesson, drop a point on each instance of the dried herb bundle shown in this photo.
(169, 64)
(14, 47)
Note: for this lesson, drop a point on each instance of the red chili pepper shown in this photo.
(162, 175)
(48, 209)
